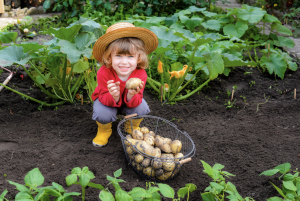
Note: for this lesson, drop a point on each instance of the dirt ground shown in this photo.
(259, 133)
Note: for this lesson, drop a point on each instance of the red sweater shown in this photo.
(101, 92)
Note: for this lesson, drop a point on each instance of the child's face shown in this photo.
(124, 64)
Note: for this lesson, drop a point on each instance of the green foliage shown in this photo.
(290, 189)
(218, 188)
(2, 195)
(32, 191)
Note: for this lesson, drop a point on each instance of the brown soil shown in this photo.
(247, 139)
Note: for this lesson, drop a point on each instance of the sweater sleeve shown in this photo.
(137, 98)
(103, 75)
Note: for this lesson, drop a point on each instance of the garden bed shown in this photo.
(247, 138)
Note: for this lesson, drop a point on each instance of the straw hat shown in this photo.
(121, 30)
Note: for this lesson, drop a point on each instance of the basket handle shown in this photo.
(131, 115)
(185, 161)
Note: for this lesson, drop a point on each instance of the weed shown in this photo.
(228, 93)
(234, 87)
(244, 98)
(252, 83)
(266, 100)
(230, 104)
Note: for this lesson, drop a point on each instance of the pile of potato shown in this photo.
(162, 151)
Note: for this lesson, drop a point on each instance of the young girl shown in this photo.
(123, 52)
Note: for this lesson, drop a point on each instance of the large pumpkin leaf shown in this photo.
(212, 25)
(215, 64)
(250, 14)
(275, 64)
(7, 37)
(186, 34)
(65, 33)
(280, 28)
(231, 60)
(191, 23)
(171, 20)
(208, 14)
(284, 42)
(72, 52)
(196, 9)
(13, 54)
(164, 33)
(80, 66)
(84, 40)
(30, 46)
(270, 19)
(237, 30)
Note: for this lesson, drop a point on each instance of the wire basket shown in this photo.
(150, 167)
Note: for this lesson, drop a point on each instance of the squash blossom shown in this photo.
(179, 74)
(85, 59)
(159, 67)
(275, 5)
(166, 87)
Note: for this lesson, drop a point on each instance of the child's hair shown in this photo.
(129, 45)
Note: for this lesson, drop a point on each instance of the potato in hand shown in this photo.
(133, 83)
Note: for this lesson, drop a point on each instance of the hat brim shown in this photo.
(148, 37)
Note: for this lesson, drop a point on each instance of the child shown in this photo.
(123, 52)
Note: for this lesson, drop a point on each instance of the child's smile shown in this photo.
(124, 64)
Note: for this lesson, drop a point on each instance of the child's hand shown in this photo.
(114, 89)
(132, 92)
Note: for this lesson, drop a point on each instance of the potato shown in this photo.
(156, 164)
(149, 171)
(134, 141)
(160, 143)
(126, 142)
(132, 156)
(133, 83)
(168, 141)
(179, 155)
(176, 146)
(144, 130)
(159, 172)
(165, 176)
(139, 167)
(149, 139)
(156, 152)
(152, 133)
(129, 150)
(146, 162)
(138, 158)
(145, 148)
(168, 165)
(133, 163)
(138, 135)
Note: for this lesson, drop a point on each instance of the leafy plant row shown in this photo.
(218, 189)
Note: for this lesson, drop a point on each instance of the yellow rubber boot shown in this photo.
(104, 132)
(132, 124)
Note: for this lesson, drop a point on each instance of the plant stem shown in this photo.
(249, 53)
(150, 81)
(189, 94)
(40, 74)
(83, 193)
(33, 99)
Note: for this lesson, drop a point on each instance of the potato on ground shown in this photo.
(144, 130)
(149, 139)
(165, 147)
(138, 158)
(146, 162)
(149, 171)
(176, 146)
(133, 83)
(165, 176)
(138, 135)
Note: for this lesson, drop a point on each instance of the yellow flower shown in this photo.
(68, 70)
(18, 21)
(85, 59)
(262, 7)
(160, 68)
(275, 5)
(166, 87)
(179, 74)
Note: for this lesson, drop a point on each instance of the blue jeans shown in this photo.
(105, 114)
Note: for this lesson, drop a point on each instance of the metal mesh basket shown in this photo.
(149, 167)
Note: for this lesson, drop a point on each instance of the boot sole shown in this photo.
(99, 145)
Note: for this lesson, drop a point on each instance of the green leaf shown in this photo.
(76, 170)
(84, 40)
(269, 172)
(71, 179)
(284, 42)
(208, 14)
(280, 28)
(46, 5)
(13, 54)
(196, 9)
(148, 11)
(85, 170)
(20, 187)
(122, 195)
(231, 60)
(212, 25)
(250, 14)
(275, 64)
(182, 192)
(278, 190)
(215, 64)
(34, 178)
(22, 196)
(292, 65)
(192, 23)
(31, 46)
(208, 196)
(217, 186)
(166, 190)
(90, 174)
(70, 2)
(275, 199)
(58, 187)
(84, 180)
(218, 166)
(270, 19)
(288, 177)
(284, 168)
(73, 53)
(106, 196)
(118, 172)
(171, 20)
(237, 30)
(3, 194)
(207, 169)
(155, 20)
(40, 195)
(289, 185)
(65, 33)
(7, 37)
(164, 34)
(98, 186)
